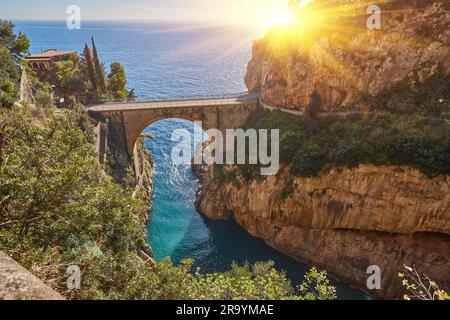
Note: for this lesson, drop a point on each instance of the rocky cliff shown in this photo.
(345, 220)
(334, 53)
(119, 165)
(143, 170)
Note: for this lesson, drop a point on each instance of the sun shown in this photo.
(280, 18)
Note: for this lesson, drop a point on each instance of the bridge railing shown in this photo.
(244, 94)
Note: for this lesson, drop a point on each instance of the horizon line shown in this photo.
(128, 20)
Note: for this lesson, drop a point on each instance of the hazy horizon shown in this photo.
(222, 12)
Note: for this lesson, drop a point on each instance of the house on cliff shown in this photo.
(45, 61)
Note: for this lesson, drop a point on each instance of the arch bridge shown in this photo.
(121, 123)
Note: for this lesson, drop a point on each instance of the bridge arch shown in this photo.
(149, 122)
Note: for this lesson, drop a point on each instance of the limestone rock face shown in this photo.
(343, 60)
(143, 169)
(346, 220)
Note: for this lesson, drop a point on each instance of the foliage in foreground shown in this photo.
(81, 78)
(59, 208)
(129, 278)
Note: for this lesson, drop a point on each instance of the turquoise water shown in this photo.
(164, 61)
(178, 231)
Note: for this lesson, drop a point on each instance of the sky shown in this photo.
(250, 12)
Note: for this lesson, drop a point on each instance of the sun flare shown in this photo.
(295, 16)
(280, 18)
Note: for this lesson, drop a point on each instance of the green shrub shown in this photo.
(304, 165)
(313, 108)
(288, 190)
(43, 99)
(428, 99)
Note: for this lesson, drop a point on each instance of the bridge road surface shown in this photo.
(163, 104)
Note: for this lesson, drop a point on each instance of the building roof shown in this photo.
(48, 54)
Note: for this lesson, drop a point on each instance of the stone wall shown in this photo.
(17, 283)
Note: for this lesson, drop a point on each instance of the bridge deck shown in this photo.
(163, 104)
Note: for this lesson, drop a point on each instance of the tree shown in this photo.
(90, 70)
(99, 70)
(58, 208)
(313, 107)
(43, 98)
(12, 49)
(70, 79)
(132, 95)
(117, 81)
(18, 45)
(9, 79)
(304, 165)
(64, 72)
(421, 287)
(316, 286)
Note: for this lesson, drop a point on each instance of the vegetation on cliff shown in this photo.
(83, 79)
(310, 146)
(428, 99)
(117, 81)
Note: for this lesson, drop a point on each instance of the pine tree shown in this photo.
(117, 81)
(99, 70)
(90, 68)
